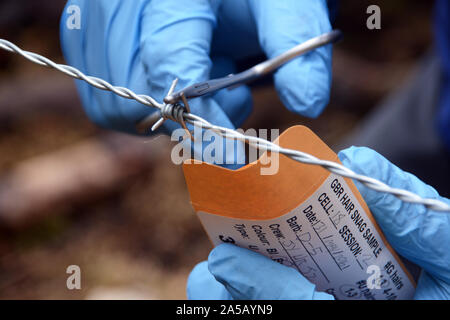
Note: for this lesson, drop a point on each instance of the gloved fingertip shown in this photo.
(201, 285)
(304, 85)
(365, 161)
(311, 108)
(221, 253)
(225, 260)
(198, 273)
(345, 155)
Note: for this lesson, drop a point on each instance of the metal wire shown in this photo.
(334, 167)
(77, 74)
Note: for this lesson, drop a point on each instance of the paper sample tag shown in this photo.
(303, 217)
(327, 239)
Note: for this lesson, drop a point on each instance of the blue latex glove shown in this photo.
(145, 44)
(420, 235)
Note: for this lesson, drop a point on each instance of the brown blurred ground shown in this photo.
(137, 236)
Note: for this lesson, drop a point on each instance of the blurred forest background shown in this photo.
(74, 194)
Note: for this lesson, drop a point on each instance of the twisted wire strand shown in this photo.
(77, 74)
(334, 167)
(179, 114)
(174, 112)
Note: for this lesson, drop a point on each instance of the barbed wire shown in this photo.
(262, 144)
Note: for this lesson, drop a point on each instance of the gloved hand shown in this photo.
(420, 235)
(145, 44)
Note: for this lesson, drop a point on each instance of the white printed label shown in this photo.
(328, 238)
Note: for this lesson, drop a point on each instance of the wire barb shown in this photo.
(174, 112)
(182, 115)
